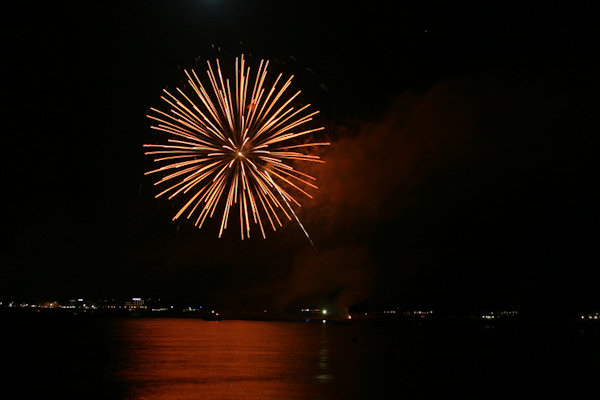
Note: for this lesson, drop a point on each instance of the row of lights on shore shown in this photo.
(590, 316)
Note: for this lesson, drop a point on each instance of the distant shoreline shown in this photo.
(359, 318)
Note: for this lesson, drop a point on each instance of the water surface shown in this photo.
(146, 358)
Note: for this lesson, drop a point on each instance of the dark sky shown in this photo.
(461, 173)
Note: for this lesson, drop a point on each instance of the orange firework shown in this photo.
(234, 146)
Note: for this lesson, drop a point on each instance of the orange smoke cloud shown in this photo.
(373, 169)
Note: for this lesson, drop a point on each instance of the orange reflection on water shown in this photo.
(195, 359)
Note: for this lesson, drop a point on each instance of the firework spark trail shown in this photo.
(295, 216)
(225, 144)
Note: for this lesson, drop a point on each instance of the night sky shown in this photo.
(461, 175)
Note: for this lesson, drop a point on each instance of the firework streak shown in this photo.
(234, 145)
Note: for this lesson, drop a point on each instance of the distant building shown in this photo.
(135, 303)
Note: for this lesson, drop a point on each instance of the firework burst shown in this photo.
(234, 144)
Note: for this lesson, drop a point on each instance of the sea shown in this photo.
(45, 357)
